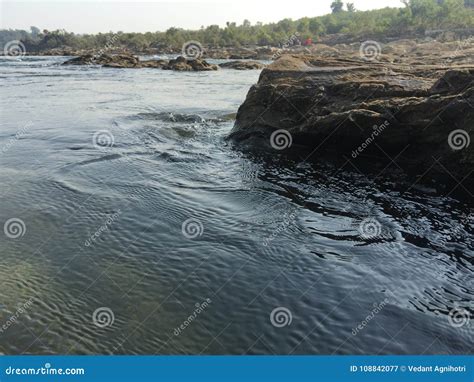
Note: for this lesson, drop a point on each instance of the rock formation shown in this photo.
(182, 64)
(115, 61)
(416, 111)
(130, 61)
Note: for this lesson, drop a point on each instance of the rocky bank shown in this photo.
(403, 105)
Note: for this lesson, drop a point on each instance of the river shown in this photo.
(130, 226)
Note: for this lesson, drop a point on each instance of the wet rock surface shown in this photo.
(414, 112)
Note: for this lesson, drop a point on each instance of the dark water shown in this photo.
(351, 265)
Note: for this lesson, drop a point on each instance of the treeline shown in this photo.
(416, 17)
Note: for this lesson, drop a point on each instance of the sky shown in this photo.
(158, 15)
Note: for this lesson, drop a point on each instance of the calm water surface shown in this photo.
(103, 228)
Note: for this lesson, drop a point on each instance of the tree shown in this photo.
(303, 25)
(285, 25)
(35, 31)
(316, 27)
(350, 7)
(416, 16)
(336, 6)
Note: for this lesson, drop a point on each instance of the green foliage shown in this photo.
(416, 17)
(350, 7)
(336, 6)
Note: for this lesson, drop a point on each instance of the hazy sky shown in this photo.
(144, 16)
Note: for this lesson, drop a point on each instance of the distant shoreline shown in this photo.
(251, 51)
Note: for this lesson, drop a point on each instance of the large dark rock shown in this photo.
(420, 117)
(130, 61)
(107, 60)
(182, 64)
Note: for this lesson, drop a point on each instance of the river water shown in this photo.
(130, 226)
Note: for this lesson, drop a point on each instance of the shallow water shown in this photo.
(104, 166)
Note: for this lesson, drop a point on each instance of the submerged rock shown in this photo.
(242, 65)
(420, 117)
